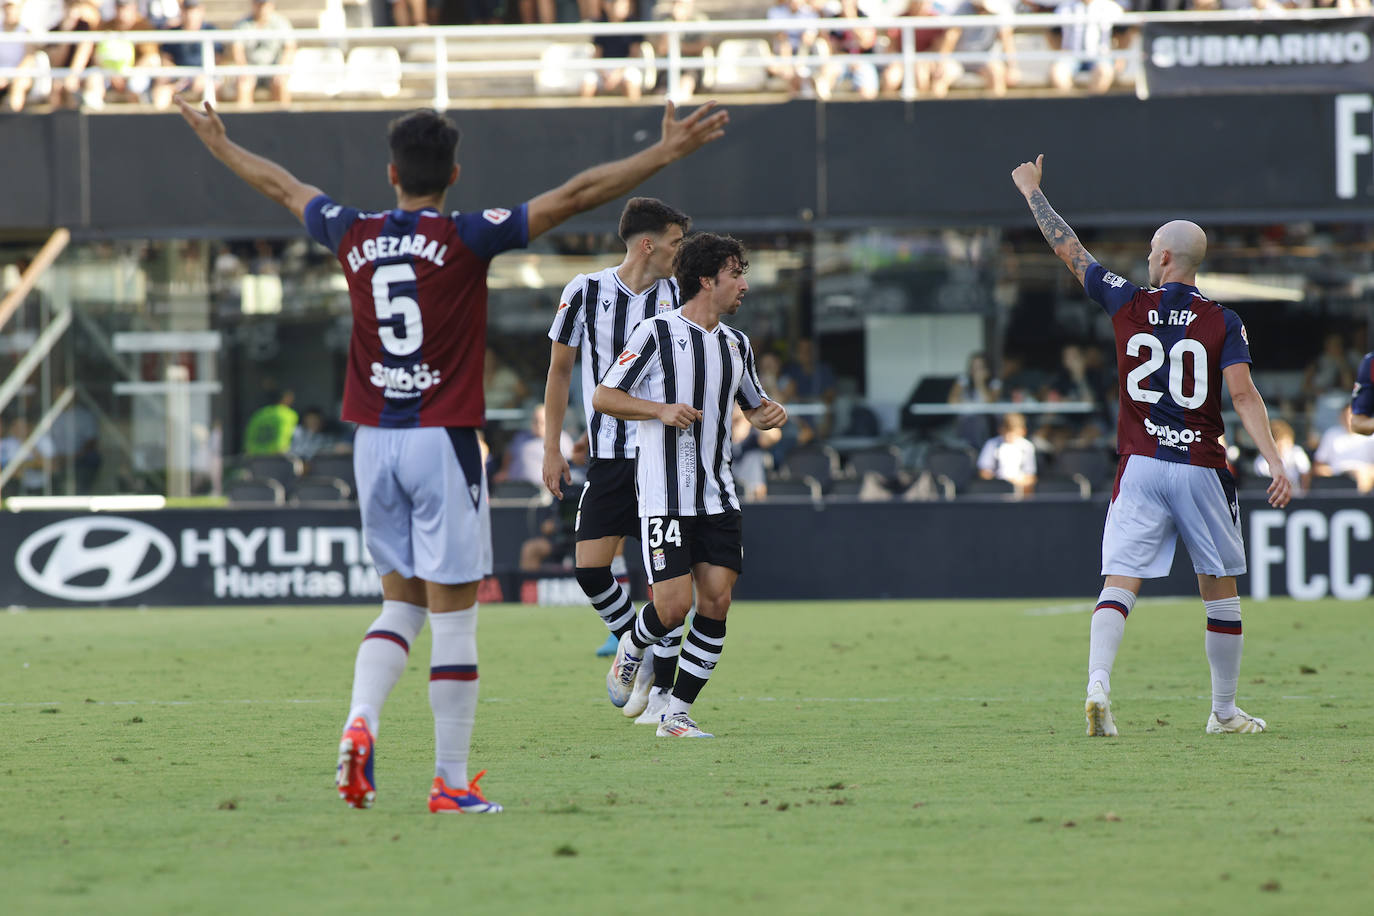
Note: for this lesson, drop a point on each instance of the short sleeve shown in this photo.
(634, 362)
(1235, 346)
(1108, 290)
(750, 394)
(1362, 399)
(494, 230)
(328, 222)
(570, 319)
(987, 457)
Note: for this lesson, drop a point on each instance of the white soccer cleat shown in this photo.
(680, 725)
(644, 682)
(620, 680)
(1098, 710)
(653, 712)
(1242, 723)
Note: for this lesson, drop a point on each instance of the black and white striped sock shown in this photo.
(700, 652)
(665, 660)
(608, 596)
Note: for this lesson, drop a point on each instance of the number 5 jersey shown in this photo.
(417, 282)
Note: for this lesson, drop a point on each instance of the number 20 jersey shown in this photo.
(417, 282)
(1171, 345)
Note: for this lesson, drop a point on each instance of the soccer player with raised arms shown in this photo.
(679, 377)
(595, 315)
(1174, 347)
(417, 281)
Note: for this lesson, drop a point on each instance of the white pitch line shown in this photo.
(600, 701)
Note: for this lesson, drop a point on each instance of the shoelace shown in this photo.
(472, 786)
(628, 672)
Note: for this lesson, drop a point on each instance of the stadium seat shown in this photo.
(1336, 482)
(952, 468)
(340, 466)
(1071, 486)
(1094, 464)
(886, 461)
(321, 490)
(793, 488)
(559, 73)
(282, 468)
(819, 462)
(260, 491)
(317, 71)
(980, 487)
(373, 71)
(523, 491)
(731, 75)
(845, 488)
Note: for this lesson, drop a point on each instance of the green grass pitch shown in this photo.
(876, 757)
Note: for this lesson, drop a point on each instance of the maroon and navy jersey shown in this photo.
(1362, 400)
(1171, 345)
(417, 281)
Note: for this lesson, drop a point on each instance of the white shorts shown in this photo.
(423, 497)
(1156, 502)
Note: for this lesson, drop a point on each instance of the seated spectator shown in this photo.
(1345, 452)
(690, 44)
(1087, 45)
(35, 470)
(807, 381)
(185, 54)
(1078, 380)
(851, 71)
(270, 427)
(1000, 72)
(1010, 456)
(1297, 468)
(1332, 370)
(627, 79)
(265, 52)
(313, 436)
(410, 12)
(524, 456)
(501, 385)
(117, 56)
(77, 16)
(749, 456)
(18, 56)
(927, 41)
(975, 386)
(163, 14)
(801, 51)
(535, 12)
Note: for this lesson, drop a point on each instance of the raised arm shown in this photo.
(1245, 397)
(265, 176)
(1052, 226)
(591, 188)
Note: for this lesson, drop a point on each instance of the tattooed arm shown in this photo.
(1057, 232)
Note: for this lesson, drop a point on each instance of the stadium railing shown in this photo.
(438, 70)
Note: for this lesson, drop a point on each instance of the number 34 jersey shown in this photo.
(1171, 345)
(417, 281)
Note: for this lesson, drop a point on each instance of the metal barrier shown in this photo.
(442, 66)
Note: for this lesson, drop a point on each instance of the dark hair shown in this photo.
(703, 255)
(423, 144)
(649, 214)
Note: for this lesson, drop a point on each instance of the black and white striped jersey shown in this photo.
(596, 315)
(672, 360)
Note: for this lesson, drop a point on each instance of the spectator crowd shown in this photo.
(846, 56)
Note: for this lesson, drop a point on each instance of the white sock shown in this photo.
(1224, 644)
(1108, 626)
(382, 659)
(453, 691)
